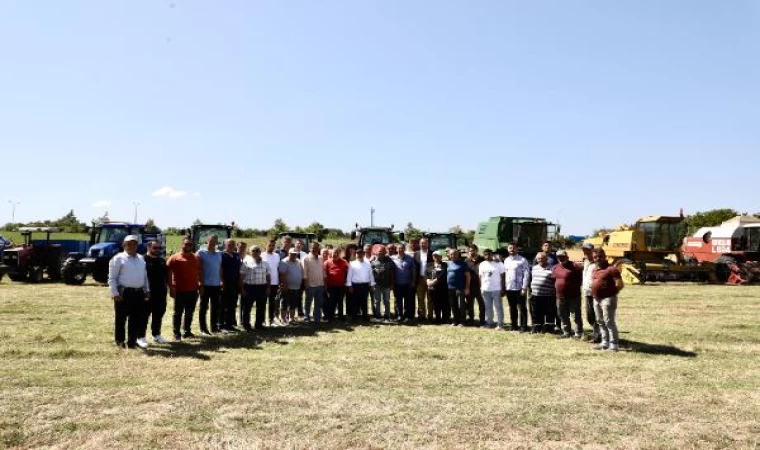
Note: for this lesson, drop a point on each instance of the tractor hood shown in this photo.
(104, 249)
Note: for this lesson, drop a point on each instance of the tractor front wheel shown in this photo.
(723, 268)
(36, 274)
(72, 273)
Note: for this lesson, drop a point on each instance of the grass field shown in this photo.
(688, 376)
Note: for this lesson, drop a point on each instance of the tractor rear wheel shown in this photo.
(17, 276)
(723, 268)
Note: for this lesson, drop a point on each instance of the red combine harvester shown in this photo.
(733, 246)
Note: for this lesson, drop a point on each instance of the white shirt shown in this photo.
(127, 271)
(423, 261)
(360, 272)
(588, 276)
(490, 273)
(273, 259)
(518, 272)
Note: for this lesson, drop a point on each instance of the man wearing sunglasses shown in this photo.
(155, 308)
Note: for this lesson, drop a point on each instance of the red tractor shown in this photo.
(36, 257)
(733, 246)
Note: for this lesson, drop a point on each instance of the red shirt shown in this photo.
(183, 272)
(603, 283)
(568, 280)
(336, 272)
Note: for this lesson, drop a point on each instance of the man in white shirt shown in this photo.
(493, 286)
(588, 277)
(423, 257)
(273, 261)
(517, 270)
(360, 282)
(128, 284)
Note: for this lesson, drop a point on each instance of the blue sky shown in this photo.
(435, 112)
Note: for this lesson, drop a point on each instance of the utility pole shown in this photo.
(136, 205)
(371, 217)
(13, 203)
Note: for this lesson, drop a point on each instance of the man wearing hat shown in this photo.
(291, 283)
(568, 278)
(128, 283)
(588, 277)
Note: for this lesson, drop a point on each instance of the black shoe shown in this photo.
(133, 345)
(177, 338)
(234, 329)
(188, 335)
(121, 344)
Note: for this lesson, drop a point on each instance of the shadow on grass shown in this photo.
(656, 349)
(199, 347)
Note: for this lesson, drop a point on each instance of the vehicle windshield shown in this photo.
(440, 242)
(203, 234)
(116, 234)
(752, 239)
(376, 237)
(664, 236)
(529, 236)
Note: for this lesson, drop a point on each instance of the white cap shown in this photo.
(131, 237)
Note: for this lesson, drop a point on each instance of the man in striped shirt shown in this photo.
(543, 298)
(255, 282)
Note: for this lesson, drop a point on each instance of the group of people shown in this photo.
(288, 285)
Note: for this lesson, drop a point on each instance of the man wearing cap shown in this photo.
(130, 289)
(458, 283)
(360, 283)
(543, 302)
(291, 283)
(314, 282)
(435, 278)
(423, 257)
(493, 286)
(155, 266)
(517, 270)
(183, 278)
(210, 261)
(383, 270)
(568, 278)
(255, 281)
(588, 276)
(405, 278)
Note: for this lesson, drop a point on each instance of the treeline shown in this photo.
(699, 219)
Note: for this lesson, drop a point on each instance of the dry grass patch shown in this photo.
(688, 377)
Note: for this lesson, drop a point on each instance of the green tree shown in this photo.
(318, 229)
(150, 226)
(410, 232)
(279, 227)
(711, 218)
(197, 222)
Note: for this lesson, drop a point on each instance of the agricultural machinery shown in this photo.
(200, 233)
(650, 250)
(733, 246)
(106, 240)
(36, 258)
(376, 236)
(306, 238)
(529, 233)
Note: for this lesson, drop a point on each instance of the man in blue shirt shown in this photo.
(458, 282)
(405, 280)
(210, 261)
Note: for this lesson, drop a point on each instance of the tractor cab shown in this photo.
(660, 233)
(529, 233)
(306, 238)
(442, 241)
(201, 233)
(376, 235)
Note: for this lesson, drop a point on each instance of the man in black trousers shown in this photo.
(128, 284)
(155, 265)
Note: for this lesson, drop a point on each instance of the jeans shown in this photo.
(336, 296)
(359, 300)
(591, 316)
(210, 295)
(567, 306)
(184, 304)
(129, 314)
(605, 309)
(475, 294)
(543, 307)
(255, 294)
(404, 294)
(518, 310)
(155, 308)
(458, 305)
(317, 295)
(491, 299)
(382, 294)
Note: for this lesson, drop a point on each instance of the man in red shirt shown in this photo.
(606, 285)
(336, 270)
(184, 282)
(568, 278)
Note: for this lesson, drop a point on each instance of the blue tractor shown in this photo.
(105, 241)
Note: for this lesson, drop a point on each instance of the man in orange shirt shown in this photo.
(184, 282)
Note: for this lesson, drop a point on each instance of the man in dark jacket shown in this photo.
(155, 307)
(423, 257)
